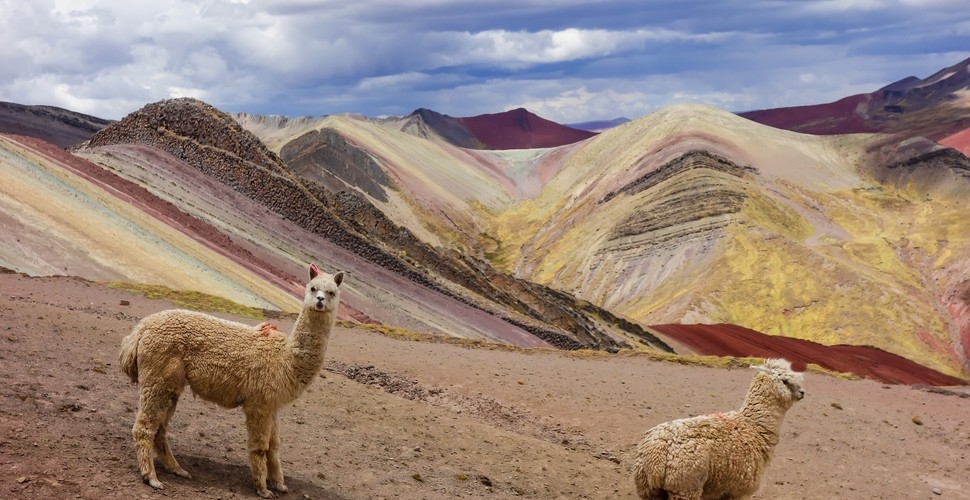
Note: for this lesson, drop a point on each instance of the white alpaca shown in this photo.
(723, 455)
(230, 364)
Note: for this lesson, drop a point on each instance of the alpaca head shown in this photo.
(785, 383)
(323, 291)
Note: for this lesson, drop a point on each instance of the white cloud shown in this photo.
(829, 6)
(548, 46)
(109, 57)
(393, 81)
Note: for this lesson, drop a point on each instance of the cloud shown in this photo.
(546, 46)
(572, 60)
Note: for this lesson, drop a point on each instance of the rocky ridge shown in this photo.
(55, 125)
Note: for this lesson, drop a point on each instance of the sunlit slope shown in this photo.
(692, 214)
(60, 223)
(436, 190)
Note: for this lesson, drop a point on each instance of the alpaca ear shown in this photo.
(338, 278)
(760, 368)
(314, 272)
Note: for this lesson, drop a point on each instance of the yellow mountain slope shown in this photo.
(695, 215)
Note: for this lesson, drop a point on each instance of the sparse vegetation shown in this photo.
(492, 249)
(190, 299)
(812, 367)
(411, 335)
(683, 359)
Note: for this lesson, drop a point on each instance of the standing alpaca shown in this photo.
(723, 455)
(229, 364)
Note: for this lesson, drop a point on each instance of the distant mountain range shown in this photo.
(55, 125)
(934, 107)
(515, 129)
(513, 228)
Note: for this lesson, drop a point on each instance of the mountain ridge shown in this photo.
(934, 107)
(689, 215)
(345, 218)
(55, 125)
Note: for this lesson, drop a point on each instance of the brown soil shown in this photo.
(400, 419)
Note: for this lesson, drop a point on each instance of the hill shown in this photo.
(220, 154)
(55, 125)
(693, 215)
(628, 219)
(934, 107)
(690, 215)
(520, 129)
(514, 129)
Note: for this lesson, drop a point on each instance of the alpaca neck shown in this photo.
(309, 338)
(765, 414)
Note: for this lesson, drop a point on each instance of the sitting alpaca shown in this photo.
(225, 363)
(723, 455)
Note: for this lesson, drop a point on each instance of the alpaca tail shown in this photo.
(128, 356)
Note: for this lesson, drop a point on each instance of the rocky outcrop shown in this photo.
(326, 157)
(686, 203)
(425, 123)
(925, 166)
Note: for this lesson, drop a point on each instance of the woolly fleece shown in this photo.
(723, 455)
(231, 364)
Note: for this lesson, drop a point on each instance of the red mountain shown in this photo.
(520, 129)
(516, 129)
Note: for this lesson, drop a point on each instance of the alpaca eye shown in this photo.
(313, 289)
(787, 383)
(331, 293)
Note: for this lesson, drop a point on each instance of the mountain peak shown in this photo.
(189, 129)
(519, 128)
(516, 128)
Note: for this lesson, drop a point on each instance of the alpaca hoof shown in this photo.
(182, 473)
(264, 493)
(280, 487)
(155, 483)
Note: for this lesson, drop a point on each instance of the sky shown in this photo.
(568, 61)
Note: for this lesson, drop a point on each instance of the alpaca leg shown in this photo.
(163, 449)
(259, 424)
(652, 494)
(274, 467)
(151, 413)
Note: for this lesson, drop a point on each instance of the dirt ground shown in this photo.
(402, 419)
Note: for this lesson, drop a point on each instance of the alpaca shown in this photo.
(723, 455)
(230, 364)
